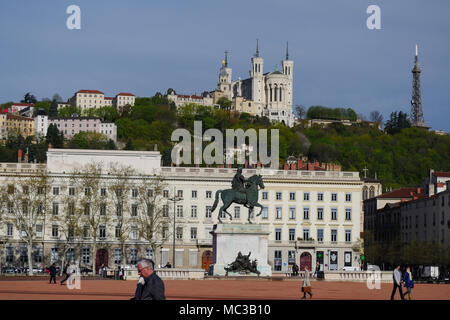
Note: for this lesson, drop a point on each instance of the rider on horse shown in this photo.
(238, 183)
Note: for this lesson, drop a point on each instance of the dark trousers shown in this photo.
(396, 286)
(52, 278)
(67, 277)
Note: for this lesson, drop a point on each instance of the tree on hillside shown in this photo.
(397, 122)
(57, 98)
(224, 103)
(376, 116)
(300, 111)
(29, 98)
(67, 112)
(124, 111)
(53, 111)
(91, 140)
(321, 112)
(54, 136)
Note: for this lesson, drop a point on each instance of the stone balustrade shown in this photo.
(170, 274)
(355, 276)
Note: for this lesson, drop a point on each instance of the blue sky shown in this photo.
(149, 46)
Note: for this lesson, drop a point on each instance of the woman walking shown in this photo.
(408, 282)
(306, 286)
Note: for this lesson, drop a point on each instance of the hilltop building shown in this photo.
(262, 94)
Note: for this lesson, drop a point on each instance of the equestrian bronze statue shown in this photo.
(243, 191)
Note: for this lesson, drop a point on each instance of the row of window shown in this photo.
(265, 212)
(265, 195)
(320, 233)
(103, 192)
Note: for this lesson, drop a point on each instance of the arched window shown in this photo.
(365, 193)
(280, 95)
(275, 95)
(372, 192)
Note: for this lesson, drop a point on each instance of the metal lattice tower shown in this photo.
(416, 116)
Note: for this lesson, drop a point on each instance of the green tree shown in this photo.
(224, 103)
(54, 136)
(53, 111)
(67, 112)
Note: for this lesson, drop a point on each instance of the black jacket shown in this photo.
(52, 270)
(153, 289)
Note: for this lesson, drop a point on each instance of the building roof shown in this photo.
(125, 94)
(442, 174)
(192, 96)
(109, 98)
(74, 118)
(89, 91)
(15, 117)
(414, 193)
(23, 104)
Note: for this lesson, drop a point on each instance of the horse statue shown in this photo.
(247, 196)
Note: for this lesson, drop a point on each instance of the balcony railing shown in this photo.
(265, 172)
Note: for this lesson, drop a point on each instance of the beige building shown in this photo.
(11, 123)
(123, 99)
(181, 99)
(94, 99)
(241, 104)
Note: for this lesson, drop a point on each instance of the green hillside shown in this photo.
(401, 157)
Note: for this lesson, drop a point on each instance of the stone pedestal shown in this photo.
(229, 239)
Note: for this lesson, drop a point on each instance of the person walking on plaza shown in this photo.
(66, 273)
(52, 272)
(294, 269)
(306, 286)
(397, 277)
(408, 282)
(150, 286)
(317, 270)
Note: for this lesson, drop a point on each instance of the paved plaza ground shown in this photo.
(12, 289)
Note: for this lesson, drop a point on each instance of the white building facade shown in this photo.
(313, 216)
(72, 125)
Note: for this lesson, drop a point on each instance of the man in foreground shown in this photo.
(150, 286)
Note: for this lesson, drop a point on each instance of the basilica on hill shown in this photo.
(263, 94)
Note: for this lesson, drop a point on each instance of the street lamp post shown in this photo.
(174, 199)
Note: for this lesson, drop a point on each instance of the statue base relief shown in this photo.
(230, 239)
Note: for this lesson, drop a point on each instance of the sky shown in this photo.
(145, 47)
